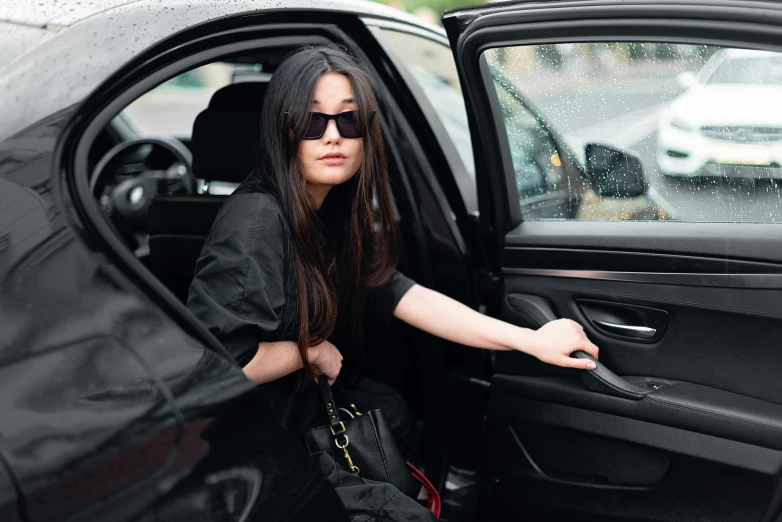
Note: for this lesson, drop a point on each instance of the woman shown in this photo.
(297, 252)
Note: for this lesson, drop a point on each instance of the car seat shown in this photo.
(225, 144)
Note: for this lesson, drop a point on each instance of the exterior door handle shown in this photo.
(641, 332)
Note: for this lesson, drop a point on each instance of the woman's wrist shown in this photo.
(525, 340)
(313, 355)
(273, 360)
(512, 337)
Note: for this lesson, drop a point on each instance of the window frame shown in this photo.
(467, 188)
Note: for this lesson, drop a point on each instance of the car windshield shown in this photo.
(745, 70)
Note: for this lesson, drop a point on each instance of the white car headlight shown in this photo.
(682, 125)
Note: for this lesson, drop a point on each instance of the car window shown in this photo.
(533, 150)
(684, 132)
(764, 69)
(172, 107)
(433, 67)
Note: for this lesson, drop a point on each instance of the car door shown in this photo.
(682, 420)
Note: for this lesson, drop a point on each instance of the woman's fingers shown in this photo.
(555, 342)
(583, 364)
(590, 348)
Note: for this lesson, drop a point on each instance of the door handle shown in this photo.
(641, 332)
(629, 322)
(603, 380)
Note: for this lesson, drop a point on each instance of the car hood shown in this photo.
(730, 105)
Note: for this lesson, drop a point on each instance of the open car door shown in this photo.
(662, 121)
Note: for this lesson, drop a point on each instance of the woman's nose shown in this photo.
(331, 134)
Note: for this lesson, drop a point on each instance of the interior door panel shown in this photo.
(682, 419)
(683, 407)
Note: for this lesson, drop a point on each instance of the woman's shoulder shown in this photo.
(250, 210)
(251, 197)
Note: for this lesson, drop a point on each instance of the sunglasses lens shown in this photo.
(316, 127)
(348, 127)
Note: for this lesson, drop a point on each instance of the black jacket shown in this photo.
(244, 290)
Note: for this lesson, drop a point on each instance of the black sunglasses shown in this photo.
(347, 124)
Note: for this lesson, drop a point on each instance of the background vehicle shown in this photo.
(727, 123)
(118, 405)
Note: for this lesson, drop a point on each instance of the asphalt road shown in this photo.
(628, 120)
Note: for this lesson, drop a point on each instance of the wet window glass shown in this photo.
(433, 67)
(766, 70)
(642, 131)
(534, 153)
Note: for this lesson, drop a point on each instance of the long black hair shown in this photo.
(364, 236)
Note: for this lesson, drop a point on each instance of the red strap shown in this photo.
(434, 502)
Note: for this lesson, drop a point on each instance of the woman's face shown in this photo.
(331, 159)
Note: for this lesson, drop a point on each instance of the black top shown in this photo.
(244, 290)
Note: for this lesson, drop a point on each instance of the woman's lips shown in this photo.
(333, 159)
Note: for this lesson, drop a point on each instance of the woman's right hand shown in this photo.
(553, 343)
(326, 359)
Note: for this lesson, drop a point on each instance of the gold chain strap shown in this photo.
(353, 467)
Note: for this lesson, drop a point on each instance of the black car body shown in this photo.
(116, 404)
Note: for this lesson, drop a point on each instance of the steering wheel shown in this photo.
(129, 175)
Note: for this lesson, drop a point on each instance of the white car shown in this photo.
(727, 123)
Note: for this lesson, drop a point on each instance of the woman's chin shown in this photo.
(330, 176)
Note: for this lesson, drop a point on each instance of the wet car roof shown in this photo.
(62, 13)
(55, 53)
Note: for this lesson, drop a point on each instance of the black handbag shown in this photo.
(363, 444)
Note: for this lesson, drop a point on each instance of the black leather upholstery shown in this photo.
(178, 227)
(225, 145)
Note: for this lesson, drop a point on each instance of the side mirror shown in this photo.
(614, 173)
(686, 79)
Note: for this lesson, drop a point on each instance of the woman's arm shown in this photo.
(444, 317)
(278, 359)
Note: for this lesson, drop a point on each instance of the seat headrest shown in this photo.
(226, 137)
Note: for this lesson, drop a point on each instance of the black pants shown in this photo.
(370, 501)
(369, 394)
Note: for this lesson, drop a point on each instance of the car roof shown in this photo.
(57, 14)
(58, 52)
(52, 16)
(54, 13)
